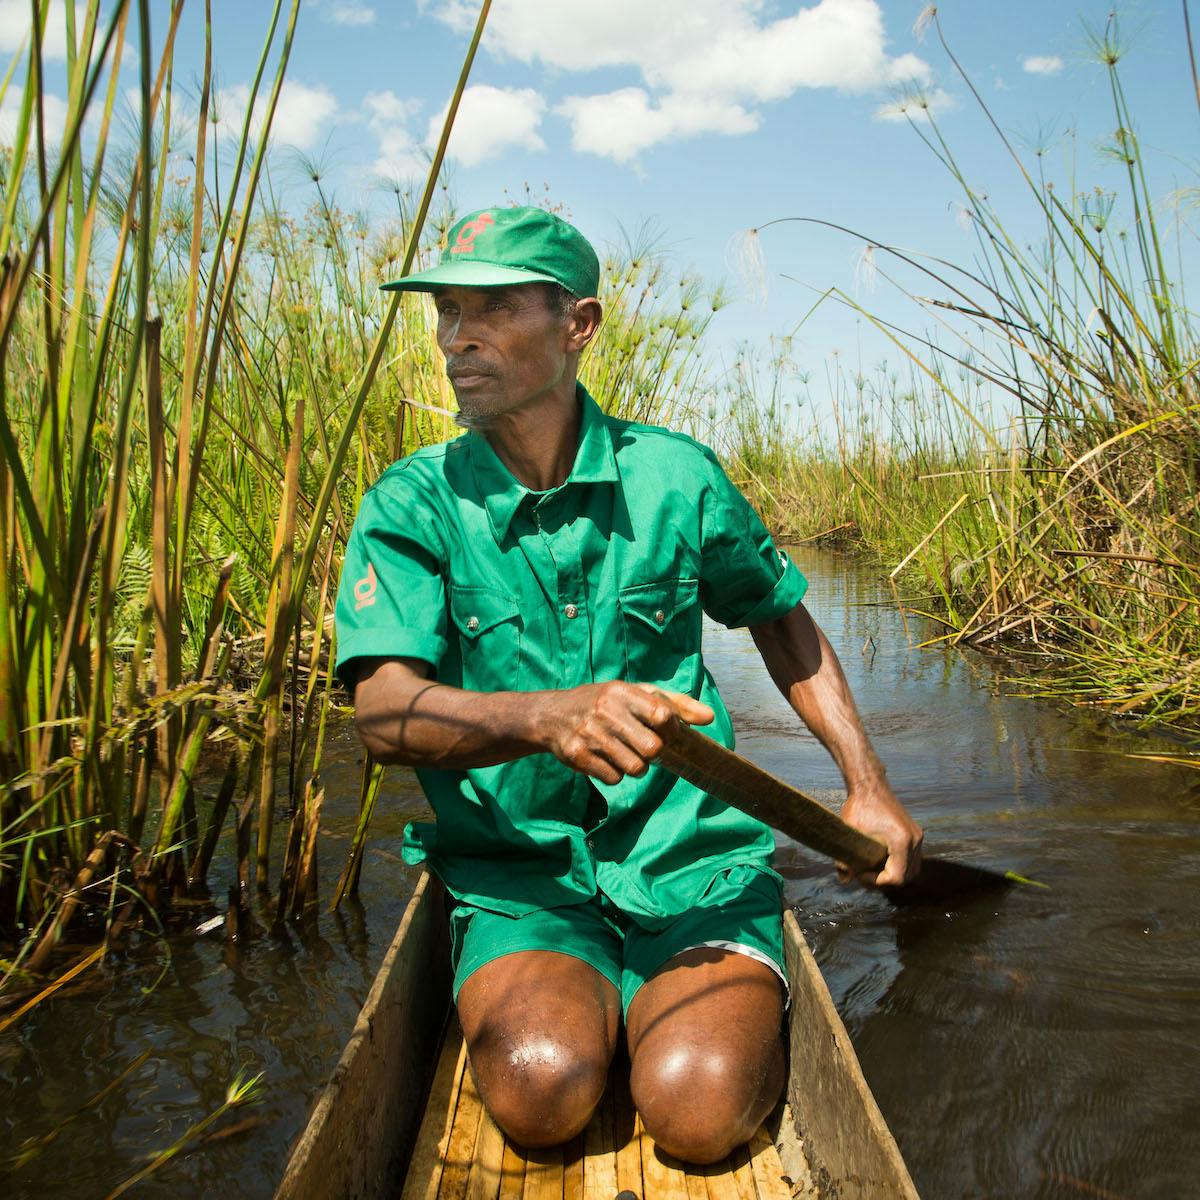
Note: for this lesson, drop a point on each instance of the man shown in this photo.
(520, 619)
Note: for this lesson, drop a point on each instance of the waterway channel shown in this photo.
(1042, 1045)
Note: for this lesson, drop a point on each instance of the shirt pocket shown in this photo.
(489, 637)
(662, 629)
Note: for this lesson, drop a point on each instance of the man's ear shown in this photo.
(583, 322)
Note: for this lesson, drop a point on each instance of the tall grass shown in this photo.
(1072, 530)
(198, 381)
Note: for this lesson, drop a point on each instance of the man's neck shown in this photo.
(538, 443)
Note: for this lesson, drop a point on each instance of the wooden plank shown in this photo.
(512, 1173)
(729, 1179)
(626, 1135)
(600, 1153)
(486, 1170)
(544, 1173)
(572, 1186)
(696, 1180)
(738, 1181)
(361, 1130)
(460, 1150)
(768, 1170)
(429, 1154)
(845, 1138)
(662, 1175)
(719, 1181)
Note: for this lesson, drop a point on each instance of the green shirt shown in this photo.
(453, 561)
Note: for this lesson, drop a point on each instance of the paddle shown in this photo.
(704, 763)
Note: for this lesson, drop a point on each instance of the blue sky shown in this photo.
(702, 118)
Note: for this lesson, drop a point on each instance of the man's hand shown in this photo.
(874, 809)
(610, 730)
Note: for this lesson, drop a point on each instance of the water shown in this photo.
(1039, 1045)
(1046, 1044)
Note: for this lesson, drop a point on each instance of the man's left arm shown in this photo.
(806, 670)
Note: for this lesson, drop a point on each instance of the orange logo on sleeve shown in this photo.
(364, 589)
(465, 242)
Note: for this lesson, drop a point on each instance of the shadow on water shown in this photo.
(1031, 1045)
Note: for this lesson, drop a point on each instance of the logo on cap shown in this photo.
(465, 242)
(364, 589)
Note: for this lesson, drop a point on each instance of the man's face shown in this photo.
(504, 348)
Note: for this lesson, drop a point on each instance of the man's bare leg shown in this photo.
(541, 1029)
(707, 1052)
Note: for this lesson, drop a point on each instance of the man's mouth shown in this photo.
(468, 379)
(468, 375)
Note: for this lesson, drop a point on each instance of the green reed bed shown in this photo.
(198, 381)
(1070, 529)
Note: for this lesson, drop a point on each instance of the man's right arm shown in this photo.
(606, 730)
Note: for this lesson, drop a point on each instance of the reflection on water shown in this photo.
(1043, 1044)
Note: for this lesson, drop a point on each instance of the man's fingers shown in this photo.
(895, 872)
(598, 768)
(680, 704)
(902, 865)
(875, 811)
(620, 735)
(846, 876)
(624, 758)
(640, 737)
(691, 710)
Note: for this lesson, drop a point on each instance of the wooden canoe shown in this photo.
(400, 1116)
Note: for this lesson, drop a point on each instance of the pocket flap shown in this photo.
(657, 604)
(475, 610)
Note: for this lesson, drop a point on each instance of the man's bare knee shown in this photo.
(698, 1105)
(538, 1090)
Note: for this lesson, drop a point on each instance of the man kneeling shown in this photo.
(520, 619)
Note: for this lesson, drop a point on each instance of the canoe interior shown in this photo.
(400, 1116)
(461, 1154)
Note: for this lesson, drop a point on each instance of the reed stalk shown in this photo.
(1069, 534)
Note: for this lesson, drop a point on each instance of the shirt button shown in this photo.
(472, 624)
(571, 612)
(660, 617)
(591, 843)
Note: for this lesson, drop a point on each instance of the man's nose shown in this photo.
(456, 335)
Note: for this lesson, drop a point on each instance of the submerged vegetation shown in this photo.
(1070, 533)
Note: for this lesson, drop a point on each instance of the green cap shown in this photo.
(499, 247)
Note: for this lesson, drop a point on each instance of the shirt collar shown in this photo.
(503, 494)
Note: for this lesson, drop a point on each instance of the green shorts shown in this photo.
(741, 911)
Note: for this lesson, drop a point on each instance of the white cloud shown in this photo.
(621, 124)
(54, 110)
(400, 156)
(302, 117)
(349, 12)
(916, 106)
(491, 120)
(1042, 64)
(16, 23)
(704, 64)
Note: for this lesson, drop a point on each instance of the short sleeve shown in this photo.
(391, 599)
(744, 578)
